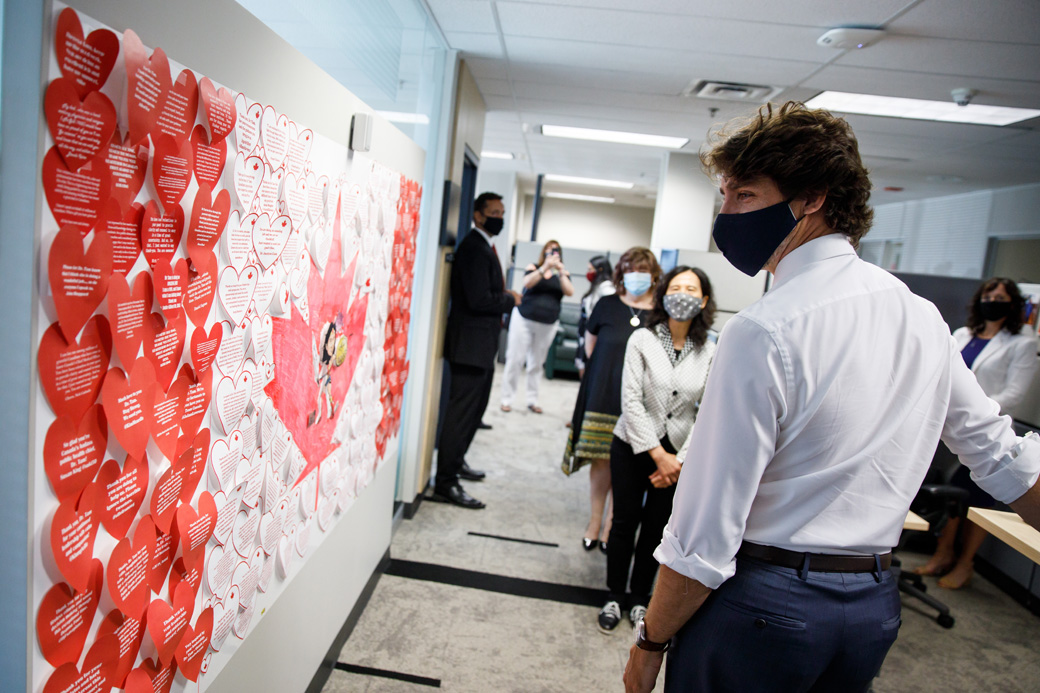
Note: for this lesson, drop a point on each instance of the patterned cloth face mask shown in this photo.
(682, 307)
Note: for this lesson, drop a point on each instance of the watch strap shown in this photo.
(643, 644)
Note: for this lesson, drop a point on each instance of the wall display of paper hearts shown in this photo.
(228, 298)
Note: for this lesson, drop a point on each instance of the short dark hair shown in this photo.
(632, 258)
(481, 203)
(802, 150)
(1013, 322)
(704, 320)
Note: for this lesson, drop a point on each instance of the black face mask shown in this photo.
(493, 225)
(748, 240)
(995, 310)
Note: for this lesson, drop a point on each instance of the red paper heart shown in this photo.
(65, 616)
(209, 216)
(96, 675)
(196, 401)
(171, 281)
(75, 198)
(148, 82)
(71, 372)
(121, 493)
(81, 128)
(192, 577)
(73, 530)
(130, 633)
(127, 406)
(220, 109)
(149, 678)
(166, 345)
(166, 623)
(128, 311)
(195, 529)
(192, 455)
(165, 547)
(128, 570)
(194, 644)
(161, 233)
(167, 411)
(209, 158)
(72, 453)
(166, 497)
(171, 169)
(180, 108)
(127, 162)
(78, 279)
(204, 346)
(86, 62)
(202, 289)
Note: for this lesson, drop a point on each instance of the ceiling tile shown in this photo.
(1008, 21)
(472, 44)
(463, 15)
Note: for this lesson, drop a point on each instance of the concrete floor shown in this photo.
(473, 639)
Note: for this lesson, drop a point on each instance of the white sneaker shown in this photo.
(609, 617)
(635, 614)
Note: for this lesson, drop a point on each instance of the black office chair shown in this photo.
(936, 502)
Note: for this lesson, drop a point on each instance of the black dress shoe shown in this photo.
(456, 495)
(588, 544)
(469, 474)
(483, 426)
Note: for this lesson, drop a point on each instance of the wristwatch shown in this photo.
(643, 644)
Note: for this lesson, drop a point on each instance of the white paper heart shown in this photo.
(224, 458)
(224, 614)
(243, 536)
(247, 125)
(274, 132)
(232, 350)
(235, 291)
(247, 175)
(238, 239)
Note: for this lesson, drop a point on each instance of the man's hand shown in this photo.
(516, 297)
(642, 670)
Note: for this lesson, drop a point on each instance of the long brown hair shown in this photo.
(545, 249)
(703, 322)
(1013, 322)
(632, 259)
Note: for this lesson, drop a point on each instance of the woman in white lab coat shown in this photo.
(1002, 355)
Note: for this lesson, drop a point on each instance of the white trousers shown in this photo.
(529, 342)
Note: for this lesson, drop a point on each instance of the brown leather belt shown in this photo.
(818, 562)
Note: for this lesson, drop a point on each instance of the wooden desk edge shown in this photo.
(915, 522)
(1010, 529)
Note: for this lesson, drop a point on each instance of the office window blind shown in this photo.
(947, 235)
(888, 222)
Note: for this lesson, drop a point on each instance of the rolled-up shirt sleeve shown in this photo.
(729, 449)
(1004, 465)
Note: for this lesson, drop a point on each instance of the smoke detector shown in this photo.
(844, 38)
(730, 91)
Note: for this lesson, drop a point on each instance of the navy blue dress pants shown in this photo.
(780, 629)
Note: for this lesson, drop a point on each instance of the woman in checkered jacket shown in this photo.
(666, 368)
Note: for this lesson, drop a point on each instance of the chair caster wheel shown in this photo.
(945, 620)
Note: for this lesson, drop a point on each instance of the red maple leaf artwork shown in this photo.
(295, 388)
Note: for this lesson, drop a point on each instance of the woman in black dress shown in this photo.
(598, 407)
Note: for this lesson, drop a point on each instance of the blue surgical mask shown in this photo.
(637, 283)
(748, 240)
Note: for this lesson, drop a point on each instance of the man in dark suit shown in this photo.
(478, 300)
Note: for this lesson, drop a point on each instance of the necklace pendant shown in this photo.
(634, 322)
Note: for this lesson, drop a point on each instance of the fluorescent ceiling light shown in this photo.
(553, 178)
(919, 109)
(407, 118)
(615, 136)
(496, 155)
(581, 198)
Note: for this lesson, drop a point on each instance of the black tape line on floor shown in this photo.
(519, 587)
(383, 673)
(516, 539)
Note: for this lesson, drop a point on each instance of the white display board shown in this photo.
(225, 294)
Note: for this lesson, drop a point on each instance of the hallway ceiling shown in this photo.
(623, 65)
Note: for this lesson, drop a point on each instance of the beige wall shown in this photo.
(590, 225)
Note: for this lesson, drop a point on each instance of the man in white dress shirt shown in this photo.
(826, 400)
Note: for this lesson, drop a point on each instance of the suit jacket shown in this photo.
(1005, 367)
(478, 300)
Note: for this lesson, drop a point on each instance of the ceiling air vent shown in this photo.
(731, 91)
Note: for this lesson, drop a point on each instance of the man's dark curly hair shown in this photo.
(802, 150)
